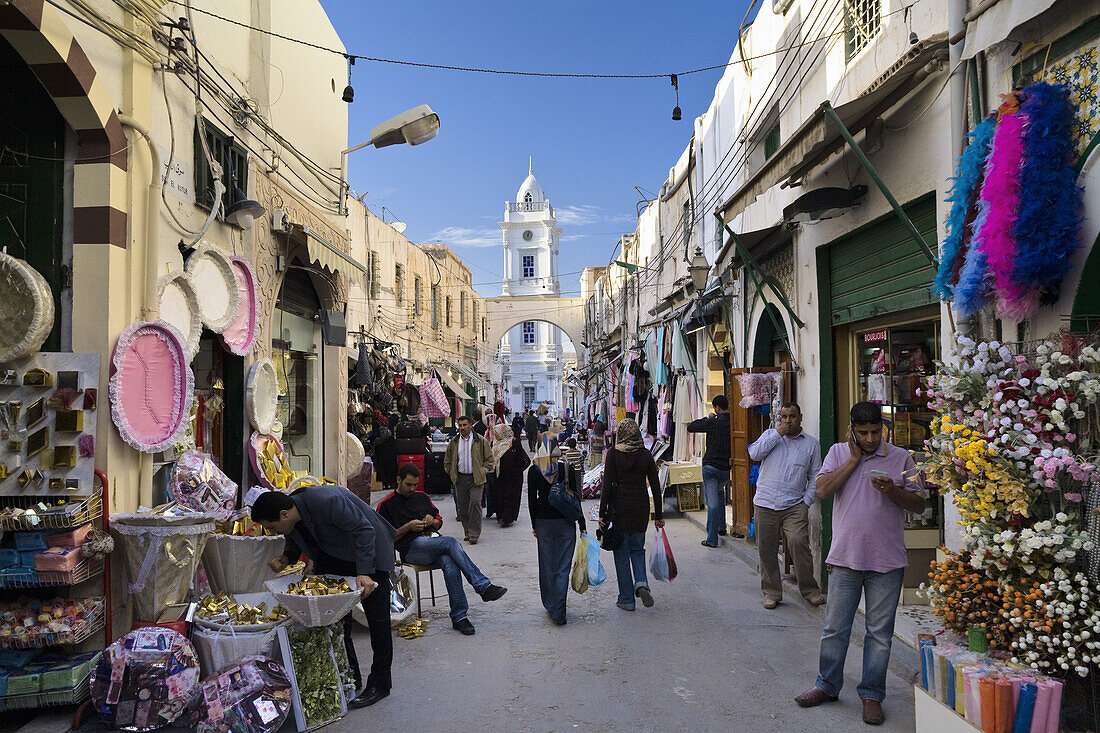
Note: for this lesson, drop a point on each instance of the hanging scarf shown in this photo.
(964, 192)
(1047, 229)
(628, 436)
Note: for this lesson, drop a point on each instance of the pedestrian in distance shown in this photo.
(716, 466)
(342, 535)
(597, 439)
(627, 469)
(555, 536)
(417, 538)
(531, 427)
(517, 425)
(789, 462)
(489, 498)
(872, 484)
(467, 459)
(571, 455)
(511, 461)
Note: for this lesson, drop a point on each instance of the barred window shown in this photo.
(862, 22)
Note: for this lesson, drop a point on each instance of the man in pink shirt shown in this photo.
(874, 483)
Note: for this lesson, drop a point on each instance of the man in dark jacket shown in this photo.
(716, 466)
(531, 426)
(342, 535)
(417, 523)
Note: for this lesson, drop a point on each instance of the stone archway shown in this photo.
(506, 312)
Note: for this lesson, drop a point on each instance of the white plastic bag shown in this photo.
(661, 564)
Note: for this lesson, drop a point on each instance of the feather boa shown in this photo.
(999, 201)
(972, 290)
(968, 177)
(1048, 226)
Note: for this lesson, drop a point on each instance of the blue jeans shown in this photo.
(630, 556)
(882, 590)
(455, 563)
(557, 539)
(714, 494)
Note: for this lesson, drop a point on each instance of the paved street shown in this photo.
(707, 655)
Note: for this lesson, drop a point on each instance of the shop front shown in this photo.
(880, 337)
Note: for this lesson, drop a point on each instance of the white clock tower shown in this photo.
(531, 353)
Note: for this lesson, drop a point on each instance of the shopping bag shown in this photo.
(661, 564)
(596, 574)
(672, 570)
(578, 578)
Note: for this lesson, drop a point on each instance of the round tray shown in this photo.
(240, 335)
(26, 310)
(178, 306)
(212, 275)
(262, 396)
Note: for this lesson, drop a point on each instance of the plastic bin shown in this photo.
(9, 558)
(27, 558)
(23, 683)
(30, 540)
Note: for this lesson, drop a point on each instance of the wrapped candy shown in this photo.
(198, 484)
(319, 585)
(223, 608)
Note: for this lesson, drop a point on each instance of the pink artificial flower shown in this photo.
(1074, 497)
(1071, 437)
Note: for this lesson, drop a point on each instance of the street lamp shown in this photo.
(413, 126)
(699, 269)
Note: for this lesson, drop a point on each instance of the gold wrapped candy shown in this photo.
(319, 585)
(294, 569)
(414, 629)
(223, 608)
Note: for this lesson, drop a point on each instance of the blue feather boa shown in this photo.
(964, 191)
(975, 279)
(1048, 226)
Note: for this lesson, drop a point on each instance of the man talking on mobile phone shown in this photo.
(873, 484)
(342, 535)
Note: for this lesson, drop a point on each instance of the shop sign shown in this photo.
(872, 337)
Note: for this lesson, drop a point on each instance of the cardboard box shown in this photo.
(685, 473)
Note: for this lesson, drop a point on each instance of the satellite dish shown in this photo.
(399, 226)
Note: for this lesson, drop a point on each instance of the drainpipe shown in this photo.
(152, 232)
(956, 33)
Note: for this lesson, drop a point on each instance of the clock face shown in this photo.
(527, 235)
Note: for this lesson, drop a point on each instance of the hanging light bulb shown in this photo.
(676, 114)
(349, 92)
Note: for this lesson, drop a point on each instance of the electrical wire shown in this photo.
(499, 71)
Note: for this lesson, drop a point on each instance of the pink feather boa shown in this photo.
(999, 202)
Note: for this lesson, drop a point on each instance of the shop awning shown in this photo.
(450, 383)
(760, 243)
(667, 316)
(997, 22)
(324, 254)
(469, 374)
(705, 313)
(818, 138)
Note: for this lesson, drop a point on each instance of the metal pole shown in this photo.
(873, 173)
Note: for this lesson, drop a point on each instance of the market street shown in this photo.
(706, 655)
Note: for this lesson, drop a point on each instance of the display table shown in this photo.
(932, 716)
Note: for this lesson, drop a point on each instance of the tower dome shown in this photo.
(530, 191)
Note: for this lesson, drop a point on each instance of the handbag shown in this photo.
(564, 501)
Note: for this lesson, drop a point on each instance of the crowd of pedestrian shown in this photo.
(872, 484)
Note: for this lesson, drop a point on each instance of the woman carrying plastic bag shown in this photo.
(556, 535)
(662, 565)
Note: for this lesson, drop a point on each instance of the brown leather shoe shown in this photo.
(872, 712)
(813, 697)
(816, 599)
(770, 603)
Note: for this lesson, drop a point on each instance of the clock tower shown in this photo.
(531, 353)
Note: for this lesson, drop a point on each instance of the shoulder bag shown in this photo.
(562, 499)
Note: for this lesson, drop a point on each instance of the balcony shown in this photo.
(524, 207)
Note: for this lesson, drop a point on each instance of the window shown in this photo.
(435, 307)
(771, 142)
(374, 274)
(528, 396)
(418, 303)
(475, 320)
(462, 310)
(862, 22)
(528, 266)
(527, 198)
(484, 331)
(399, 284)
(448, 312)
(528, 333)
(233, 159)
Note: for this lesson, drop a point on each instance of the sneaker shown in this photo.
(647, 597)
(625, 606)
(464, 626)
(492, 593)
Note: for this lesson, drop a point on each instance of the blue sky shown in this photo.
(592, 140)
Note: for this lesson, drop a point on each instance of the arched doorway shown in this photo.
(770, 347)
(537, 357)
(1086, 303)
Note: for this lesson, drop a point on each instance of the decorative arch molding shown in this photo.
(40, 34)
(506, 312)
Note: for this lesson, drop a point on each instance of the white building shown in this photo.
(532, 354)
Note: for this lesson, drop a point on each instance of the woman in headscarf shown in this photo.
(555, 534)
(489, 497)
(625, 503)
(511, 461)
(596, 441)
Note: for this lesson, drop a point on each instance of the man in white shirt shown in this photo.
(789, 461)
(467, 460)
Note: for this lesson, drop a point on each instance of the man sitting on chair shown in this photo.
(417, 523)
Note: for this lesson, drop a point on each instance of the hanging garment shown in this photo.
(679, 358)
(660, 370)
(651, 415)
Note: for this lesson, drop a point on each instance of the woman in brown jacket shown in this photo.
(627, 469)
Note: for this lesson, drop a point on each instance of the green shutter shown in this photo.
(879, 269)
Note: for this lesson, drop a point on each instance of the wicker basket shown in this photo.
(313, 610)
